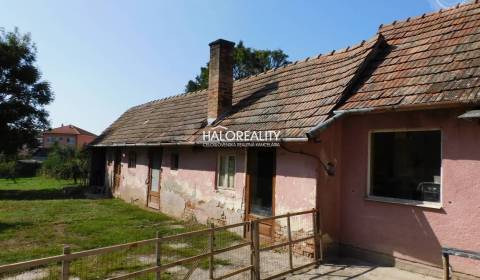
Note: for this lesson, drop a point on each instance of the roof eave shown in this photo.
(337, 114)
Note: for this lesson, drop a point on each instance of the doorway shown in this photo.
(154, 178)
(261, 170)
(117, 170)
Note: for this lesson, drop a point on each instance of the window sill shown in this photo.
(423, 204)
(222, 189)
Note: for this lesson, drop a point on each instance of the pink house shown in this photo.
(67, 135)
(382, 137)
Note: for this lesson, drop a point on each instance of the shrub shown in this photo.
(8, 169)
(67, 163)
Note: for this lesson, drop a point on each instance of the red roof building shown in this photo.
(67, 135)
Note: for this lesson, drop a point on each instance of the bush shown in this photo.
(27, 168)
(67, 163)
(8, 169)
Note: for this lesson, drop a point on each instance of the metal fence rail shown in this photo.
(219, 253)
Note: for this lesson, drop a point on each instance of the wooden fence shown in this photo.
(252, 241)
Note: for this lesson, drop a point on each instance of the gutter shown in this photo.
(336, 115)
(290, 140)
(282, 140)
(145, 144)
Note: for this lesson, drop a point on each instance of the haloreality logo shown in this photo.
(220, 136)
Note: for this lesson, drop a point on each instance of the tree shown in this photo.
(23, 93)
(246, 62)
(67, 163)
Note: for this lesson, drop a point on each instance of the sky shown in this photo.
(102, 57)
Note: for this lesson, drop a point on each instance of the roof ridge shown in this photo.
(425, 15)
(315, 57)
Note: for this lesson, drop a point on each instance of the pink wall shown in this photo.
(190, 191)
(83, 140)
(318, 188)
(79, 140)
(56, 136)
(133, 187)
(411, 232)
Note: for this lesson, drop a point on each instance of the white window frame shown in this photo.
(419, 203)
(226, 155)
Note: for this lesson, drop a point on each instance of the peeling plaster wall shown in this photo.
(411, 232)
(190, 191)
(132, 187)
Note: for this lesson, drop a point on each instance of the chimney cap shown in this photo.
(222, 42)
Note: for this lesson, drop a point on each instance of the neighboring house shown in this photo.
(67, 135)
(382, 137)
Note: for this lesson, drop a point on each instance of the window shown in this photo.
(174, 161)
(226, 171)
(406, 165)
(132, 159)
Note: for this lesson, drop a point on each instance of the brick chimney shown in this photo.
(220, 79)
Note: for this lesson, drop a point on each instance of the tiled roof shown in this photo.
(69, 129)
(431, 59)
(172, 119)
(295, 98)
(292, 99)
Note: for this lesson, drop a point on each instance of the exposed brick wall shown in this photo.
(220, 79)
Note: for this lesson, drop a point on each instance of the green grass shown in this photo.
(33, 228)
(34, 183)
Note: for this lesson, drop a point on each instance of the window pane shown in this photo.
(406, 165)
(222, 171)
(231, 171)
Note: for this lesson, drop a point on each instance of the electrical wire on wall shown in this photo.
(328, 167)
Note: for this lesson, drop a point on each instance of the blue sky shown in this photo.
(102, 57)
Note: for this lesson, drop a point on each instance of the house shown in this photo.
(381, 137)
(67, 135)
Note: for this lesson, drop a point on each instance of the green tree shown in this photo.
(246, 62)
(67, 163)
(23, 93)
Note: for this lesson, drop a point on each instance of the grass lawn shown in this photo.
(32, 228)
(34, 183)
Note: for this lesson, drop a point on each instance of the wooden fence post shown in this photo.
(256, 249)
(158, 254)
(211, 245)
(446, 266)
(66, 263)
(289, 229)
(318, 252)
(318, 248)
(252, 251)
